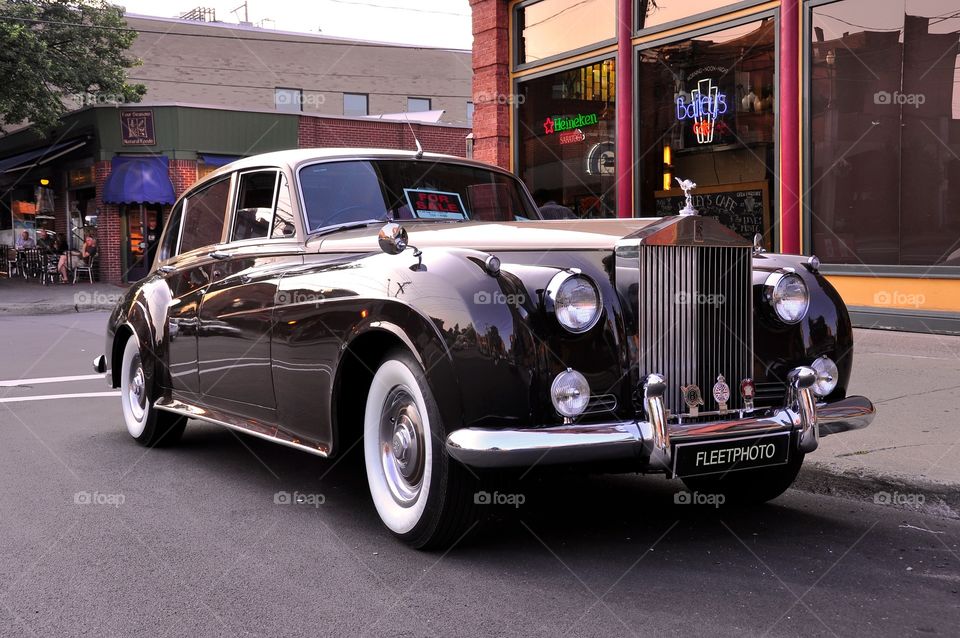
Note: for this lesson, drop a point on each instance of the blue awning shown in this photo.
(139, 180)
(212, 159)
(39, 156)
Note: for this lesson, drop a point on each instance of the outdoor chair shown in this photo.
(13, 261)
(85, 267)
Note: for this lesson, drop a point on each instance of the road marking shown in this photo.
(13, 383)
(77, 395)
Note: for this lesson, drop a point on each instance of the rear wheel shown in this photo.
(147, 425)
(749, 487)
(422, 495)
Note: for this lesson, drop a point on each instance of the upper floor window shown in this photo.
(416, 104)
(550, 27)
(653, 13)
(288, 100)
(204, 214)
(470, 108)
(356, 104)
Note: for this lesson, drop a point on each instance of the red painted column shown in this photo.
(790, 147)
(624, 146)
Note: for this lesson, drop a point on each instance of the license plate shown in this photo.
(730, 455)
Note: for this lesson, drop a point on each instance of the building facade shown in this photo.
(830, 127)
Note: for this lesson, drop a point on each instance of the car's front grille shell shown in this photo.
(695, 319)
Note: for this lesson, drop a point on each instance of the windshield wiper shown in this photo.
(349, 225)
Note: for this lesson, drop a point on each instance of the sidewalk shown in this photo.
(30, 297)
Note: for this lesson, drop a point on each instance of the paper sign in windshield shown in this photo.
(427, 204)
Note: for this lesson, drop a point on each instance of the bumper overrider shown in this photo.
(736, 437)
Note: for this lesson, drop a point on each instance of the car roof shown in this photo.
(295, 157)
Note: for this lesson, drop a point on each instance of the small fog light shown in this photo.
(570, 393)
(827, 376)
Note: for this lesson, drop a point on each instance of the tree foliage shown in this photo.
(57, 55)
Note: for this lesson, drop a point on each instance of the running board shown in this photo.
(254, 428)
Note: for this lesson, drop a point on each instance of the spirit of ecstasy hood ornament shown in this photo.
(687, 186)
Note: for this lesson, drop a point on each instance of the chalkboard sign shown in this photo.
(743, 207)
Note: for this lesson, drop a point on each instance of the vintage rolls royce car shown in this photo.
(418, 306)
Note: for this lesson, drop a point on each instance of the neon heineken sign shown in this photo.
(705, 105)
(559, 123)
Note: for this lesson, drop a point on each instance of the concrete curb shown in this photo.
(905, 493)
(21, 309)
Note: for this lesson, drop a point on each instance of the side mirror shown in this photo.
(393, 239)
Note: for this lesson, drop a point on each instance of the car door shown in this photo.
(184, 261)
(236, 311)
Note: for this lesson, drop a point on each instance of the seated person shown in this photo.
(24, 242)
(45, 241)
(60, 249)
(89, 250)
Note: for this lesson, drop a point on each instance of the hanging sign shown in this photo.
(136, 128)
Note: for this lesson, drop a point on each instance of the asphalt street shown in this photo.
(101, 537)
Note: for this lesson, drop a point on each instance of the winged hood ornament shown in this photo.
(687, 186)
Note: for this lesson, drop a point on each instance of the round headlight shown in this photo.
(789, 296)
(570, 393)
(575, 300)
(827, 376)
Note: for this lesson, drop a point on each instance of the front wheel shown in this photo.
(422, 495)
(749, 487)
(147, 425)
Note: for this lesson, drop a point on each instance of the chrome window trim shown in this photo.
(235, 200)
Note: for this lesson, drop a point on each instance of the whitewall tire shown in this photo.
(147, 425)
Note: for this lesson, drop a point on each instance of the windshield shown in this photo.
(337, 193)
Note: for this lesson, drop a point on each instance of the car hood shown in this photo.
(574, 234)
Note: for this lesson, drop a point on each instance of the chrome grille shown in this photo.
(695, 319)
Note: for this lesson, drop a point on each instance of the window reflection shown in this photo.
(652, 13)
(551, 27)
(885, 129)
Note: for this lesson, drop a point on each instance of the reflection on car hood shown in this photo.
(587, 234)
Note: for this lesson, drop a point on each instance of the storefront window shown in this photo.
(566, 141)
(706, 113)
(653, 13)
(552, 27)
(885, 132)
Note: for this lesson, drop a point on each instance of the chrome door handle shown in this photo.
(217, 254)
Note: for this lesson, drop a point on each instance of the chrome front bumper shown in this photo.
(649, 442)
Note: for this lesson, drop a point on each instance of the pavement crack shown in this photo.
(882, 449)
(916, 394)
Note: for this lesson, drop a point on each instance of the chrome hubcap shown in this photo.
(401, 445)
(137, 389)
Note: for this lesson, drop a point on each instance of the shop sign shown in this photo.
(136, 128)
(705, 106)
(572, 137)
(559, 123)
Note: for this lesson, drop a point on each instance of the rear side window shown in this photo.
(255, 197)
(204, 214)
(168, 247)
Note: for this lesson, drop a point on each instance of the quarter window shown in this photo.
(168, 247)
(255, 195)
(204, 216)
(283, 225)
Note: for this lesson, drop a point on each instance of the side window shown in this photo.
(168, 247)
(283, 225)
(204, 215)
(255, 195)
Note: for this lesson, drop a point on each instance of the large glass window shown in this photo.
(885, 132)
(552, 27)
(653, 13)
(566, 140)
(706, 113)
(204, 216)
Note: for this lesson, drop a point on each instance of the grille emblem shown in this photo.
(691, 396)
(747, 390)
(721, 393)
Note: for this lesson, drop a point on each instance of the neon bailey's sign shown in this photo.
(560, 123)
(706, 104)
